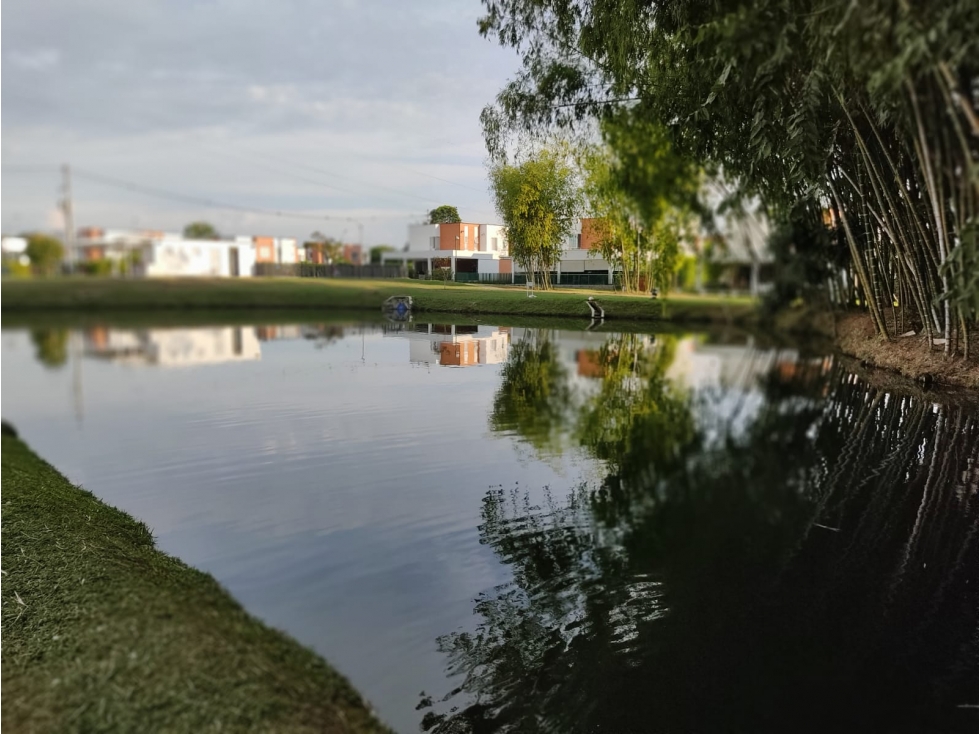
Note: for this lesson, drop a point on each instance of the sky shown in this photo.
(339, 115)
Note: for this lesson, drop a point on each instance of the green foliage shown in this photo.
(51, 346)
(13, 267)
(441, 273)
(534, 398)
(962, 268)
(686, 272)
(645, 196)
(638, 417)
(867, 108)
(803, 251)
(45, 253)
(329, 249)
(538, 201)
(444, 214)
(201, 231)
(377, 251)
(101, 267)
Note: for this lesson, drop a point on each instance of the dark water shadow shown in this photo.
(815, 568)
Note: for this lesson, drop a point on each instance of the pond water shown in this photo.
(492, 528)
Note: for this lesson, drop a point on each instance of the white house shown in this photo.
(463, 247)
(152, 253)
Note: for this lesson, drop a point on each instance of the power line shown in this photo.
(198, 201)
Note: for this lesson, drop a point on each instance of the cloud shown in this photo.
(288, 105)
(42, 59)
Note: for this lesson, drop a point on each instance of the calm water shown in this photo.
(521, 529)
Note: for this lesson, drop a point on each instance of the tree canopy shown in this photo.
(45, 252)
(201, 231)
(444, 214)
(538, 201)
(330, 249)
(863, 113)
(644, 197)
(377, 251)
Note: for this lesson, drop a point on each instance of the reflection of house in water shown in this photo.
(272, 332)
(455, 345)
(173, 347)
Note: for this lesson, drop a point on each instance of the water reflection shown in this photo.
(51, 346)
(685, 532)
(172, 347)
(453, 345)
(810, 568)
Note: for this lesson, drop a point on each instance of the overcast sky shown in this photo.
(364, 111)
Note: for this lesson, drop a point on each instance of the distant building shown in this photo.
(152, 253)
(463, 247)
(13, 245)
(353, 254)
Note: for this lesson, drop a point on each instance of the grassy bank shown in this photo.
(103, 632)
(106, 295)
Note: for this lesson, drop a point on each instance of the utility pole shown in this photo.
(66, 211)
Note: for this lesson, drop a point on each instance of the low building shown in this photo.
(317, 254)
(463, 247)
(153, 253)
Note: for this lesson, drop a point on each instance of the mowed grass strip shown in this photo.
(108, 294)
(103, 632)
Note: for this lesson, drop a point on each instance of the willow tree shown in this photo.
(868, 110)
(538, 201)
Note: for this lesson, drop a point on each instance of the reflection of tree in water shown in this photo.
(51, 346)
(816, 571)
(534, 397)
(636, 410)
(323, 334)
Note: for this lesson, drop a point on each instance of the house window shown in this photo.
(466, 238)
(493, 243)
(578, 241)
(434, 242)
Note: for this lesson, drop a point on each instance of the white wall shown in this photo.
(487, 232)
(577, 261)
(176, 257)
(14, 245)
(288, 250)
(419, 236)
(489, 265)
(494, 349)
(177, 347)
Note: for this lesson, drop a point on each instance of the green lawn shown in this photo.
(311, 294)
(103, 632)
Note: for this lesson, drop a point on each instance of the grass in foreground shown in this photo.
(106, 294)
(103, 632)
